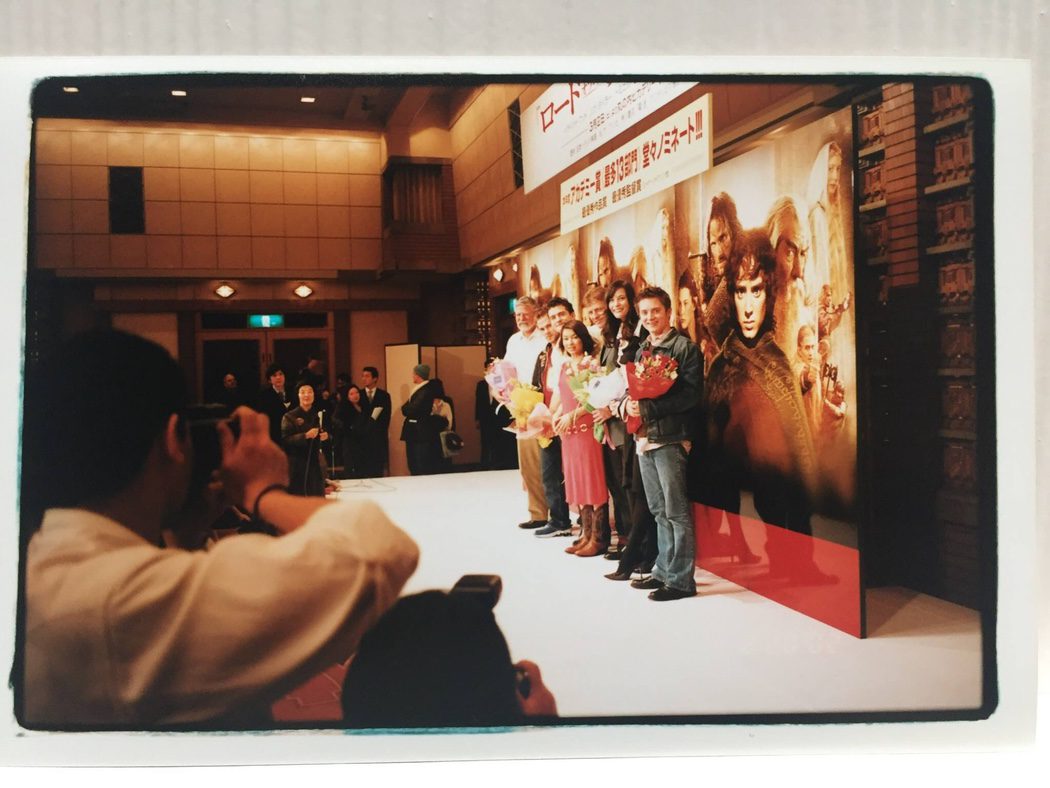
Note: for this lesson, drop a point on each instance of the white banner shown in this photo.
(676, 148)
(571, 119)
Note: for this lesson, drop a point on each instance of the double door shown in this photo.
(248, 352)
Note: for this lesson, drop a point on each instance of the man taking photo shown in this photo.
(123, 627)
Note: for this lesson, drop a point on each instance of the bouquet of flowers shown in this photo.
(532, 418)
(594, 388)
(648, 378)
(501, 378)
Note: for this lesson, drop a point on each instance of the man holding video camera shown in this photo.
(122, 631)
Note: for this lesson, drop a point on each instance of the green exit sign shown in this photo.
(265, 321)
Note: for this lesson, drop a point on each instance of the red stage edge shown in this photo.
(817, 578)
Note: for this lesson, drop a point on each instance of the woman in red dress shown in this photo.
(581, 454)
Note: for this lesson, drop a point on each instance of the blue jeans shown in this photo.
(554, 484)
(663, 475)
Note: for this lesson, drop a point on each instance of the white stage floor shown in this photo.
(606, 650)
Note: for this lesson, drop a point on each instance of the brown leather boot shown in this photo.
(586, 524)
(596, 546)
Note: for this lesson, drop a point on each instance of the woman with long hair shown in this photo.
(581, 454)
(635, 526)
(358, 427)
(302, 437)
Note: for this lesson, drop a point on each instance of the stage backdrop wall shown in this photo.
(400, 359)
(796, 187)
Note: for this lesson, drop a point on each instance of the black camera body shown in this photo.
(201, 420)
(486, 589)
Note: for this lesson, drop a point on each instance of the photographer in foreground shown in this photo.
(121, 632)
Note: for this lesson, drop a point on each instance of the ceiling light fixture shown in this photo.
(304, 290)
(178, 92)
(307, 99)
(514, 267)
(498, 274)
(224, 290)
(70, 89)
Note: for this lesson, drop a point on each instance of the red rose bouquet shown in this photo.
(651, 376)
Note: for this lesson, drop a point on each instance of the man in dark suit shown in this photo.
(274, 400)
(422, 428)
(498, 447)
(377, 401)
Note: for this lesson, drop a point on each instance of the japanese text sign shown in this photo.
(674, 149)
(571, 119)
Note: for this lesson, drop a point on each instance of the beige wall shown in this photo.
(492, 214)
(162, 328)
(253, 201)
(370, 333)
(426, 136)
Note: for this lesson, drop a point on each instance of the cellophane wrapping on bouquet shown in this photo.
(532, 418)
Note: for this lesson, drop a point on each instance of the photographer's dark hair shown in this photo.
(435, 660)
(88, 442)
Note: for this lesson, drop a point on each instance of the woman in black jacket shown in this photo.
(358, 428)
(302, 437)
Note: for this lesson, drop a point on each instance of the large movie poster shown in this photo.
(797, 190)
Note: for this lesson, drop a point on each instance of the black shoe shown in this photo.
(530, 524)
(618, 575)
(647, 585)
(668, 594)
(614, 553)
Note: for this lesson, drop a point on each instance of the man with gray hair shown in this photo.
(522, 350)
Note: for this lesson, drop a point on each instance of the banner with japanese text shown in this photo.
(671, 151)
(571, 119)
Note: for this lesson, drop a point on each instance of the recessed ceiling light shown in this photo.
(304, 291)
(307, 99)
(498, 274)
(70, 89)
(178, 92)
(224, 290)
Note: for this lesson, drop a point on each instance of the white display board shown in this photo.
(400, 359)
(676, 148)
(570, 119)
(460, 368)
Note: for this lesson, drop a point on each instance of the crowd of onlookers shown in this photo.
(327, 435)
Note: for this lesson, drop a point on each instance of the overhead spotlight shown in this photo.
(178, 92)
(498, 274)
(514, 267)
(224, 290)
(70, 89)
(304, 290)
(307, 99)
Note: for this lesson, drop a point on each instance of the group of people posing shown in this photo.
(642, 474)
(739, 416)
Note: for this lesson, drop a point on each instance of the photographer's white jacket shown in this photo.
(121, 632)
